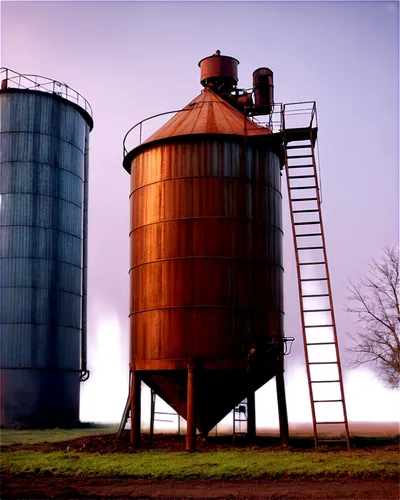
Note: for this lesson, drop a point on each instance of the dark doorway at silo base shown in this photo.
(39, 398)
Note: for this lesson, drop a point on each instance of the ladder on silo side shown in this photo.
(315, 291)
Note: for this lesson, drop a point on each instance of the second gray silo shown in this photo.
(44, 134)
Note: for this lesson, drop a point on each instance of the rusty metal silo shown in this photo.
(206, 272)
(44, 165)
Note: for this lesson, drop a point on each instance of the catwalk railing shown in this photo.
(12, 79)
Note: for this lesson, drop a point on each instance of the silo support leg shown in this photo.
(283, 417)
(191, 412)
(152, 411)
(135, 407)
(251, 415)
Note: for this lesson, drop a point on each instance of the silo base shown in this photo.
(39, 398)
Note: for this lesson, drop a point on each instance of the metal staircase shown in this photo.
(316, 305)
(127, 415)
(127, 411)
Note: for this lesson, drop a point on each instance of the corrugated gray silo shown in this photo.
(44, 143)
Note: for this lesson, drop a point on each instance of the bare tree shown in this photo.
(375, 301)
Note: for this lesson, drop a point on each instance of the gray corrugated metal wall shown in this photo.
(42, 155)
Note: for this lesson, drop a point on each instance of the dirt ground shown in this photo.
(295, 489)
(43, 487)
(108, 443)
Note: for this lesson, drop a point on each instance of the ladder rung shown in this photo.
(316, 295)
(324, 381)
(322, 362)
(300, 166)
(310, 248)
(308, 234)
(301, 176)
(320, 343)
(313, 279)
(327, 400)
(319, 326)
(298, 147)
(304, 199)
(292, 188)
(326, 423)
(298, 156)
(307, 223)
(311, 263)
(305, 211)
(315, 310)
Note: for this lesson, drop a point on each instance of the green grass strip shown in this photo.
(224, 464)
(35, 436)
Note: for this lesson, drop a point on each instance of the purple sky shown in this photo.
(135, 59)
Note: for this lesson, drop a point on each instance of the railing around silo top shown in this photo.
(136, 134)
(287, 116)
(273, 121)
(12, 79)
(283, 116)
(300, 115)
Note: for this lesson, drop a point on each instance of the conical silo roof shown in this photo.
(208, 113)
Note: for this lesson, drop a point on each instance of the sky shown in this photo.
(131, 60)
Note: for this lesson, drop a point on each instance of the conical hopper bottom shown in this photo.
(216, 392)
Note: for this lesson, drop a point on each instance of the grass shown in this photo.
(222, 464)
(34, 436)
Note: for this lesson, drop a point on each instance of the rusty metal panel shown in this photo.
(208, 113)
(218, 66)
(41, 187)
(263, 84)
(206, 254)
